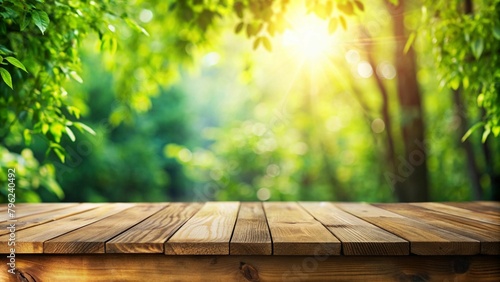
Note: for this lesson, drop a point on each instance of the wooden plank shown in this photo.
(92, 238)
(251, 233)
(22, 210)
(31, 240)
(476, 207)
(358, 237)
(439, 207)
(425, 239)
(296, 232)
(208, 232)
(492, 204)
(150, 235)
(157, 267)
(40, 218)
(487, 234)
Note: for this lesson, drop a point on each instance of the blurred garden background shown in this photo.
(198, 100)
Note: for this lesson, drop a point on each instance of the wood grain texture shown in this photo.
(443, 208)
(22, 210)
(92, 238)
(31, 240)
(46, 216)
(358, 237)
(487, 234)
(150, 235)
(208, 232)
(251, 234)
(157, 267)
(478, 208)
(425, 239)
(491, 204)
(296, 232)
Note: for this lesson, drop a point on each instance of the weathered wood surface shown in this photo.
(251, 234)
(425, 239)
(358, 237)
(487, 234)
(273, 228)
(156, 267)
(92, 238)
(31, 240)
(296, 232)
(150, 235)
(207, 232)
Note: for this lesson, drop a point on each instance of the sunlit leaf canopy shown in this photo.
(254, 100)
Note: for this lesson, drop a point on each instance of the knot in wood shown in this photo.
(25, 277)
(249, 272)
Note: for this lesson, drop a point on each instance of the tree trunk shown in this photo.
(412, 167)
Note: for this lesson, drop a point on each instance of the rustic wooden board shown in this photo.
(491, 204)
(31, 240)
(43, 217)
(439, 207)
(487, 234)
(208, 232)
(478, 208)
(150, 235)
(425, 239)
(157, 267)
(251, 234)
(92, 238)
(358, 237)
(22, 210)
(296, 232)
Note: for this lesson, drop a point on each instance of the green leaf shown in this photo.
(267, 44)
(257, 42)
(465, 82)
(409, 42)
(360, 5)
(496, 130)
(56, 130)
(45, 128)
(477, 47)
(480, 99)
(347, 8)
(496, 32)
(239, 27)
(74, 111)
(238, 8)
(469, 132)
(75, 76)
(27, 137)
(41, 20)
(455, 83)
(58, 150)
(15, 62)
(82, 127)
(6, 77)
(332, 25)
(486, 133)
(26, 21)
(60, 154)
(70, 134)
(131, 23)
(343, 22)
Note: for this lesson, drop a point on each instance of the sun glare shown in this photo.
(309, 38)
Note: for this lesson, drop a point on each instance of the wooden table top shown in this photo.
(269, 228)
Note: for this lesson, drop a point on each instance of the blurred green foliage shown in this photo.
(169, 104)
